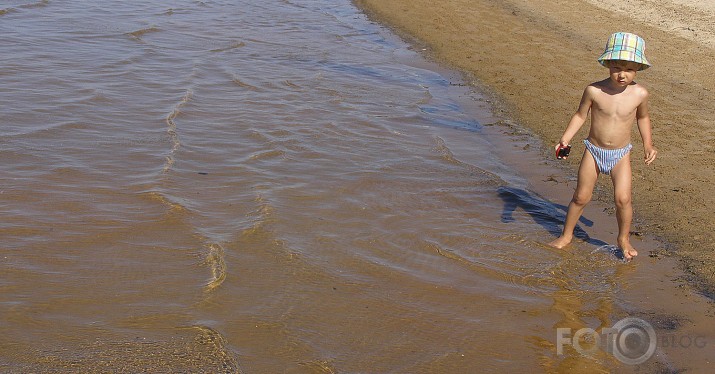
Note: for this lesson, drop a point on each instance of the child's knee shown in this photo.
(623, 200)
(581, 198)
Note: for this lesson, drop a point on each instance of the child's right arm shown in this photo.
(578, 118)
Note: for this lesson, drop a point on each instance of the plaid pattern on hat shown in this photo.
(626, 47)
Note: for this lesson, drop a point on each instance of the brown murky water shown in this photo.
(282, 186)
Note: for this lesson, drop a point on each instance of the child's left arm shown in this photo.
(644, 127)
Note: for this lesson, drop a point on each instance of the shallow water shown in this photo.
(265, 187)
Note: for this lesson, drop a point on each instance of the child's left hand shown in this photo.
(650, 155)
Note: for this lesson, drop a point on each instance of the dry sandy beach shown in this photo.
(536, 57)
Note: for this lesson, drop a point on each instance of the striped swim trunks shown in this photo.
(606, 159)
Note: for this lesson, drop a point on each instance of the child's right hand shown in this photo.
(562, 150)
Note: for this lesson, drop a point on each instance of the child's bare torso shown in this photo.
(613, 114)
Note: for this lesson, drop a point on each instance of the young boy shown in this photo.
(615, 103)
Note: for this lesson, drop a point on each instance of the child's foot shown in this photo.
(560, 242)
(628, 251)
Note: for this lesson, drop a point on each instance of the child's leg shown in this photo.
(587, 177)
(622, 182)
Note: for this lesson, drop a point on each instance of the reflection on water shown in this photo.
(216, 185)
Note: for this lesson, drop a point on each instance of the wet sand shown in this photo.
(536, 57)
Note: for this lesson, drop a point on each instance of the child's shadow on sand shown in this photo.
(547, 214)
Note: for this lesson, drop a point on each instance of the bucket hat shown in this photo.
(626, 47)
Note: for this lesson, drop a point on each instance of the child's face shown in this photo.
(623, 72)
